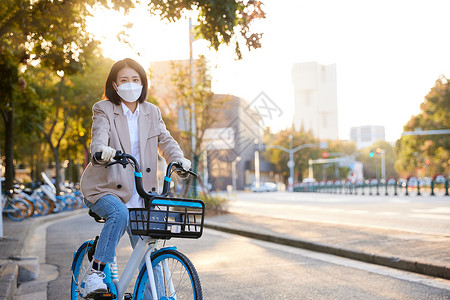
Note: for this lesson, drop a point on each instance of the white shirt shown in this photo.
(133, 129)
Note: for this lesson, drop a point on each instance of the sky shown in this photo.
(388, 54)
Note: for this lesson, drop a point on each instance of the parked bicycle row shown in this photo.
(40, 200)
(412, 186)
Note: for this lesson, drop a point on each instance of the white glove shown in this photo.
(108, 153)
(185, 163)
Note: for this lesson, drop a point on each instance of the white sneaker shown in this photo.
(95, 284)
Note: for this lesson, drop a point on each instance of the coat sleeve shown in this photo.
(101, 129)
(168, 147)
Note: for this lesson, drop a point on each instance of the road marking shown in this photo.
(430, 216)
(434, 210)
(387, 213)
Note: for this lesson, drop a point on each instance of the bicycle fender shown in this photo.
(162, 249)
(77, 253)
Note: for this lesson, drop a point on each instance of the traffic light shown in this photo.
(378, 150)
(324, 154)
(372, 153)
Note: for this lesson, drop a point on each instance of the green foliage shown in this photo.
(218, 19)
(280, 158)
(336, 149)
(214, 204)
(414, 152)
(81, 92)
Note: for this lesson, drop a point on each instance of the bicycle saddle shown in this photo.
(96, 217)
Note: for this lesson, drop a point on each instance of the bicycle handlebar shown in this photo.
(123, 159)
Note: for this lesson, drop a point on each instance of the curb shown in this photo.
(9, 272)
(8, 280)
(391, 262)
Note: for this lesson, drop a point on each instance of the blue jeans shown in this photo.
(116, 214)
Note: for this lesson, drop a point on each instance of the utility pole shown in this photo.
(291, 165)
(193, 123)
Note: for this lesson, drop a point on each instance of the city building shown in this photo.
(315, 99)
(230, 146)
(364, 136)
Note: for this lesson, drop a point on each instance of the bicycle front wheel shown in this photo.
(80, 268)
(17, 209)
(175, 278)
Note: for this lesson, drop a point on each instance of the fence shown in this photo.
(412, 186)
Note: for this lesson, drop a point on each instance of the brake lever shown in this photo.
(123, 161)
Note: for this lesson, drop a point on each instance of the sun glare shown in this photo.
(139, 35)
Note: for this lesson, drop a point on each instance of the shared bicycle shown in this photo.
(165, 273)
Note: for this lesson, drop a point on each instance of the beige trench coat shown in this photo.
(110, 128)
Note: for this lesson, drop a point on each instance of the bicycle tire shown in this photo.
(79, 265)
(17, 209)
(38, 207)
(31, 209)
(183, 274)
(45, 206)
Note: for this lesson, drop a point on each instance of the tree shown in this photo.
(427, 155)
(198, 101)
(53, 35)
(280, 158)
(83, 90)
(218, 19)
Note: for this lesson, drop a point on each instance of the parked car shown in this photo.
(263, 187)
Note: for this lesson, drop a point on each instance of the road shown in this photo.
(234, 267)
(424, 214)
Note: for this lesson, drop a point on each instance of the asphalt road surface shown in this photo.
(421, 214)
(234, 267)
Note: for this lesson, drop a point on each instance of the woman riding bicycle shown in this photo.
(123, 120)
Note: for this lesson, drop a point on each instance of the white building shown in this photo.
(364, 136)
(315, 99)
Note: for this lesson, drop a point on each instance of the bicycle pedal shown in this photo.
(104, 296)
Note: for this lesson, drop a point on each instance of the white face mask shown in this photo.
(129, 91)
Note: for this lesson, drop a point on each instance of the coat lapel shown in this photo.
(120, 120)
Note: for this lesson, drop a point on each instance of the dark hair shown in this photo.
(111, 94)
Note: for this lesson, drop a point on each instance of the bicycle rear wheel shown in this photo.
(175, 277)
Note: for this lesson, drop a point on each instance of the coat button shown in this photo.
(148, 170)
(119, 186)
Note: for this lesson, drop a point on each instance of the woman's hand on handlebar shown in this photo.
(185, 163)
(108, 153)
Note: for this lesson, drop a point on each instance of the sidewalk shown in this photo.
(420, 253)
(12, 249)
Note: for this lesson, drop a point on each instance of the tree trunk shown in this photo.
(8, 118)
(58, 169)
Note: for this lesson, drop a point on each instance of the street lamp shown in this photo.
(291, 151)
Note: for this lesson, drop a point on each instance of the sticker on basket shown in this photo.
(175, 229)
